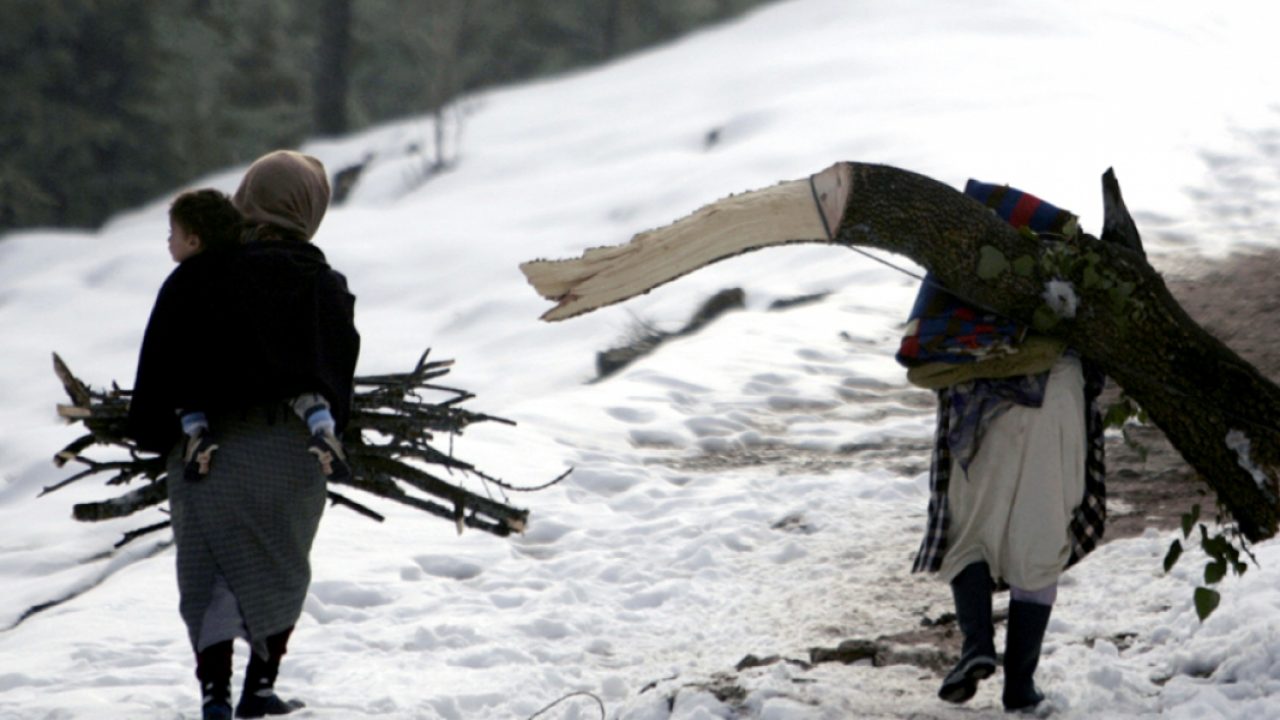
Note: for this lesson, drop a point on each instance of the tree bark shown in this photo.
(333, 68)
(609, 29)
(1216, 409)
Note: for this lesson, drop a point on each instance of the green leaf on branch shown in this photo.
(1024, 266)
(1119, 295)
(1189, 520)
(1119, 412)
(1044, 319)
(1171, 557)
(1115, 415)
(1206, 602)
(1230, 553)
(1216, 547)
(1214, 572)
(991, 263)
(1090, 278)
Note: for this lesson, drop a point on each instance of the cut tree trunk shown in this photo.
(1216, 409)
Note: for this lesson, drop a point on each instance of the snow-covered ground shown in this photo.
(726, 497)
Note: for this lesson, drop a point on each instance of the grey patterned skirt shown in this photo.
(251, 520)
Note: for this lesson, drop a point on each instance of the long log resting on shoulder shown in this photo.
(1215, 408)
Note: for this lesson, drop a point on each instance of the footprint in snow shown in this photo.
(631, 415)
(547, 629)
(448, 567)
(348, 594)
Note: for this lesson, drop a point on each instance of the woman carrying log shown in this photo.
(1017, 490)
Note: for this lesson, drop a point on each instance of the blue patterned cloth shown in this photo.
(944, 328)
(976, 404)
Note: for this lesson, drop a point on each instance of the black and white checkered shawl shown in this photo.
(1089, 520)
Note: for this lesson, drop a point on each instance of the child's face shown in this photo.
(182, 244)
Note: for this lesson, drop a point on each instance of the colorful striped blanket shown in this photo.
(944, 328)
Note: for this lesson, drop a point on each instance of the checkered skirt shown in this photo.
(252, 520)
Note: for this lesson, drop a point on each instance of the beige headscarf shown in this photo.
(286, 189)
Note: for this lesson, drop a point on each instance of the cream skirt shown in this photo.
(1013, 507)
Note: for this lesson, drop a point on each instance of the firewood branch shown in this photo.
(395, 420)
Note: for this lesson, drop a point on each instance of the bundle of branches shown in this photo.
(388, 441)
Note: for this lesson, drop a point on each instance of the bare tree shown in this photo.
(442, 56)
(333, 67)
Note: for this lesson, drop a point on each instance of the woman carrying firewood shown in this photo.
(238, 337)
(1017, 490)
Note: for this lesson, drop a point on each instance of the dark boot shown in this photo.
(972, 592)
(213, 670)
(259, 699)
(1027, 623)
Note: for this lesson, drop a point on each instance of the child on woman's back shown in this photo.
(206, 221)
(202, 220)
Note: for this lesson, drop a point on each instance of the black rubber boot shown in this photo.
(213, 670)
(972, 592)
(1027, 623)
(259, 699)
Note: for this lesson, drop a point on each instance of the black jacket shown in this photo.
(263, 322)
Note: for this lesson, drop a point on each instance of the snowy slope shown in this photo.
(756, 488)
